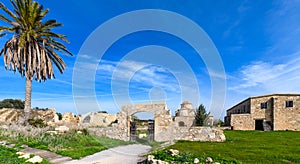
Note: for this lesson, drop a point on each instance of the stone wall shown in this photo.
(242, 122)
(98, 119)
(206, 134)
(69, 118)
(275, 116)
(286, 118)
(14, 115)
(166, 128)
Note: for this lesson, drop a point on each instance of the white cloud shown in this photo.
(268, 77)
(138, 73)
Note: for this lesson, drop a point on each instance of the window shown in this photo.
(181, 124)
(288, 104)
(248, 108)
(263, 105)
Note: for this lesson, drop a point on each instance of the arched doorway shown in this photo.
(142, 127)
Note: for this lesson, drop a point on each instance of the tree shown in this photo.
(12, 103)
(33, 47)
(201, 115)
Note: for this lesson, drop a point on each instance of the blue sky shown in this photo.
(258, 43)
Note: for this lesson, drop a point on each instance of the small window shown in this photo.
(288, 104)
(181, 124)
(264, 105)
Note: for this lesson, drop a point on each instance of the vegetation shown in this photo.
(37, 122)
(69, 144)
(186, 157)
(201, 115)
(59, 116)
(12, 103)
(247, 147)
(9, 156)
(33, 47)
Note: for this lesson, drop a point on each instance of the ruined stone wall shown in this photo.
(10, 115)
(14, 115)
(204, 134)
(286, 118)
(165, 128)
(69, 118)
(98, 119)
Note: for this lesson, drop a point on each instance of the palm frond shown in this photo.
(33, 48)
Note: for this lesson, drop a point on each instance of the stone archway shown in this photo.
(162, 118)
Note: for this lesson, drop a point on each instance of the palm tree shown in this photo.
(33, 47)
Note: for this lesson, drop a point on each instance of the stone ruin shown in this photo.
(15, 115)
(167, 128)
(98, 119)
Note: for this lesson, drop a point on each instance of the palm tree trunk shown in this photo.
(28, 99)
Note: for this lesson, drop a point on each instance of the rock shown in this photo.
(79, 132)
(4, 127)
(51, 132)
(209, 160)
(11, 145)
(35, 159)
(3, 143)
(173, 152)
(20, 153)
(142, 135)
(222, 137)
(25, 156)
(150, 157)
(196, 160)
(161, 162)
(62, 129)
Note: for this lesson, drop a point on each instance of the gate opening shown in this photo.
(142, 127)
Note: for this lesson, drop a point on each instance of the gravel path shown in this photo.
(129, 154)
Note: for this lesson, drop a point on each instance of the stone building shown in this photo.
(185, 116)
(267, 112)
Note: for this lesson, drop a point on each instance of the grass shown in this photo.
(69, 144)
(9, 156)
(248, 147)
(74, 145)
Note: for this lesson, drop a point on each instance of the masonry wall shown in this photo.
(242, 122)
(286, 118)
(262, 114)
(276, 115)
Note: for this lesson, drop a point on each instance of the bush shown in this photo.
(38, 123)
(12, 103)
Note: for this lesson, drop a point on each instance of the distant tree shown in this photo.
(102, 111)
(12, 103)
(59, 116)
(218, 122)
(201, 115)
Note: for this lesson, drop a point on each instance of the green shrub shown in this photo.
(38, 123)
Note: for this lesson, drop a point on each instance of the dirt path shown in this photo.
(129, 154)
